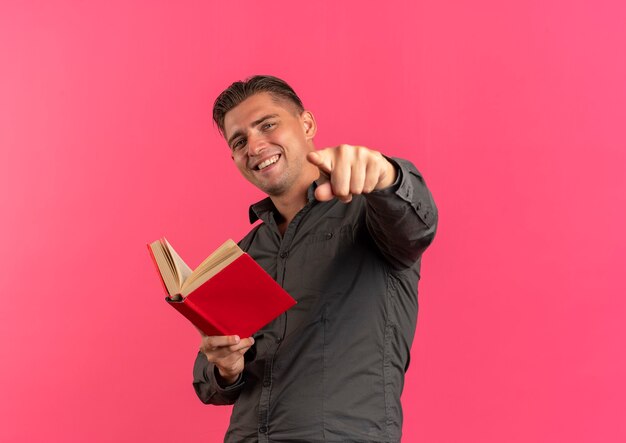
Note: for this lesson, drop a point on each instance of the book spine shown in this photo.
(196, 316)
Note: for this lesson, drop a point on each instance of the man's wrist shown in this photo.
(225, 380)
(390, 175)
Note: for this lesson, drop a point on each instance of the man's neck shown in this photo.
(295, 198)
(289, 205)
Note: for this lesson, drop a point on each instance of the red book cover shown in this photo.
(240, 299)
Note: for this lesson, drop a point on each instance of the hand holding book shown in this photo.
(227, 354)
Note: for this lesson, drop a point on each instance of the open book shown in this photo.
(227, 294)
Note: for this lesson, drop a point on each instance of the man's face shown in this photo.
(269, 142)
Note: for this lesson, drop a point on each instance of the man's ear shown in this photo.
(308, 124)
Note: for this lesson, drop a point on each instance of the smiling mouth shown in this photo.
(270, 161)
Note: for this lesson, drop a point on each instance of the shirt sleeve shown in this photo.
(207, 387)
(402, 219)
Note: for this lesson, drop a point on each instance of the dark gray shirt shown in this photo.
(332, 368)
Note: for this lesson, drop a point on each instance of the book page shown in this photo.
(182, 270)
(214, 263)
(166, 267)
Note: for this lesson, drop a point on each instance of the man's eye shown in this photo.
(268, 126)
(239, 143)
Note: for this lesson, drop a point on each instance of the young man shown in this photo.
(343, 232)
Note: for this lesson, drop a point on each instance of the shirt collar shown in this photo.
(263, 209)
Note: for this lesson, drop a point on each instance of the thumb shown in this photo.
(324, 191)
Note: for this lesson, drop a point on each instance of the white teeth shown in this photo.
(269, 161)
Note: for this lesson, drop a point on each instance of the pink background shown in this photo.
(514, 111)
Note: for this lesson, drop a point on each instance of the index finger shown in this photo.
(218, 341)
(243, 345)
(323, 159)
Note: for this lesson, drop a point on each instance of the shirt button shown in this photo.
(263, 429)
(278, 339)
(284, 254)
(329, 235)
(266, 383)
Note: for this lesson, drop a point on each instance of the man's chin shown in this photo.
(269, 188)
(273, 191)
(274, 184)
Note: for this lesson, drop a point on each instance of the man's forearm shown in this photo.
(209, 389)
(402, 219)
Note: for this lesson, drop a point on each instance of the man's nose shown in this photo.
(256, 144)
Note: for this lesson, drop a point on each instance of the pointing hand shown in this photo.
(348, 170)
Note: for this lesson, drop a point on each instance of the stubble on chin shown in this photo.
(282, 185)
(276, 189)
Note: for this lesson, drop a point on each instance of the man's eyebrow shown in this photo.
(252, 125)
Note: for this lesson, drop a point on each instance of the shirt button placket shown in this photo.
(264, 404)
